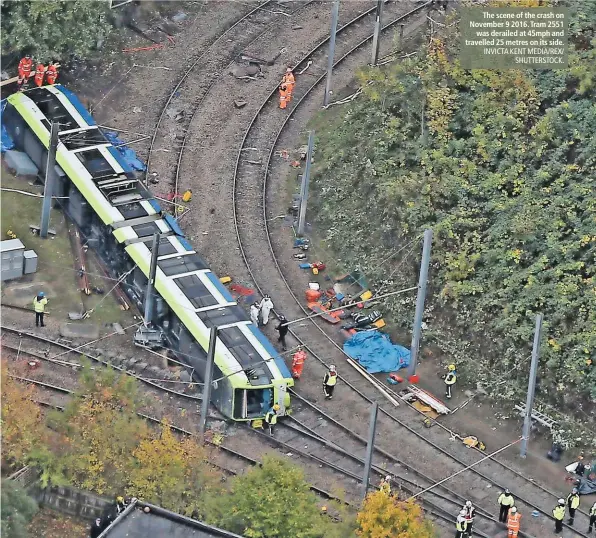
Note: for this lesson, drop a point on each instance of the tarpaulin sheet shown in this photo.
(7, 142)
(376, 353)
(130, 157)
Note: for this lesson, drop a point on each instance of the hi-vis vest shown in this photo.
(385, 487)
(513, 522)
(593, 510)
(450, 378)
(460, 525)
(506, 500)
(40, 306)
(271, 418)
(573, 500)
(559, 513)
(331, 380)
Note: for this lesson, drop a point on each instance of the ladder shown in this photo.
(545, 420)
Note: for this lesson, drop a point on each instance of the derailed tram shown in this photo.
(119, 217)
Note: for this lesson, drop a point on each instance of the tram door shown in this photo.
(281, 396)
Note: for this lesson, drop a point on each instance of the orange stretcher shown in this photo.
(318, 308)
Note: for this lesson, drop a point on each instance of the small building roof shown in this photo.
(134, 522)
(11, 244)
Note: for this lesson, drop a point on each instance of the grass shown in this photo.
(55, 271)
(50, 524)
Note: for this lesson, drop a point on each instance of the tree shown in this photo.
(269, 502)
(57, 29)
(171, 473)
(384, 516)
(500, 165)
(99, 431)
(17, 510)
(22, 425)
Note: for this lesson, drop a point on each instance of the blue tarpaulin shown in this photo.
(129, 156)
(376, 353)
(7, 142)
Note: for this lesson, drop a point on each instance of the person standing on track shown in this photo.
(385, 485)
(266, 307)
(513, 522)
(329, 382)
(283, 331)
(290, 82)
(39, 305)
(592, 515)
(506, 501)
(470, 515)
(271, 418)
(460, 525)
(283, 95)
(51, 73)
(450, 380)
(559, 515)
(254, 313)
(573, 504)
(40, 72)
(25, 67)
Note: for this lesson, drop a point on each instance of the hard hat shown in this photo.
(574, 490)
(469, 504)
(332, 368)
(120, 499)
(276, 407)
(282, 317)
(462, 513)
(41, 294)
(451, 367)
(27, 55)
(513, 509)
(561, 501)
(507, 491)
(388, 477)
(289, 70)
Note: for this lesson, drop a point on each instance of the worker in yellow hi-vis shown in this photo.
(187, 196)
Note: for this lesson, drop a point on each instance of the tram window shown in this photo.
(222, 316)
(95, 163)
(195, 291)
(181, 264)
(239, 346)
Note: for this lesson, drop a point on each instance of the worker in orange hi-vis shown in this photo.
(513, 521)
(290, 82)
(25, 67)
(40, 72)
(283, 95)
(51, 73)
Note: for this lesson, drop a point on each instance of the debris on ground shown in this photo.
(239, 104)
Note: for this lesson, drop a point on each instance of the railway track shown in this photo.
(262, 133)
(206, 69)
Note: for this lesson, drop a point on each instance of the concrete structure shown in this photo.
(134, 522)
(30, 258)
(12, 253)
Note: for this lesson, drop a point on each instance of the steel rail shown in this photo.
(22, 333)
(264, 195)
(188, 72)
(323, 493)
(198, 105)
(433, 509)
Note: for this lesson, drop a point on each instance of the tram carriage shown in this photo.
(119, 217)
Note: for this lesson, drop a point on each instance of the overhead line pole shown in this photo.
(331, 54)
(49, 182)
(428, 237)
(305, 183)
(207, 382)
(531, 386)
(151, 281)
(376, 42)
(372, 428)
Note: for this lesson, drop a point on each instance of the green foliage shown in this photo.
(385, 516)
(56, 29)
(17, 510)
(502, 166)
(268, 502)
